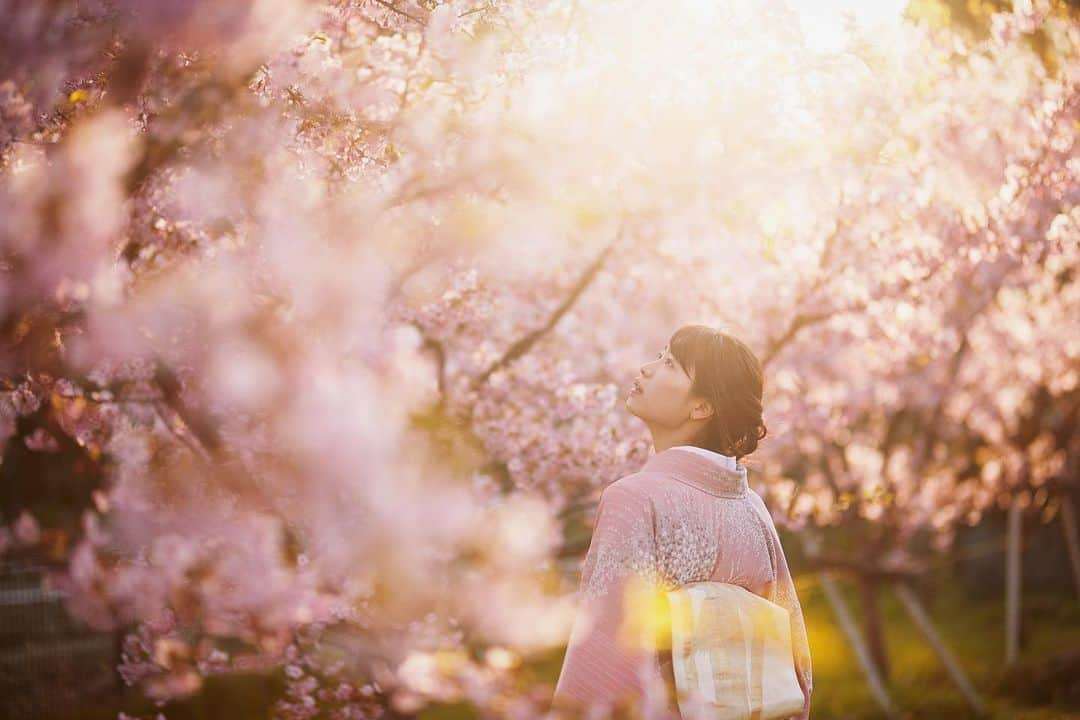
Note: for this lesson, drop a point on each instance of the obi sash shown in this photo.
(731, 654)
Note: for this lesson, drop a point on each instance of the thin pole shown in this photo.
(811, 542)
(914, 608)
(862, 652)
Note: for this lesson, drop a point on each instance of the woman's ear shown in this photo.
(702, 410)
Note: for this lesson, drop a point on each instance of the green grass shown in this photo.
(919, 685)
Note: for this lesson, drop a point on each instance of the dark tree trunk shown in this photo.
(873, 627)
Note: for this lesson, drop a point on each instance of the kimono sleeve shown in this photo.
(610, 657)
(786, 597)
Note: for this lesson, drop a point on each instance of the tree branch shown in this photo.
(526, 343)
(399, 11)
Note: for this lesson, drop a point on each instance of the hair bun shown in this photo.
(749, 441)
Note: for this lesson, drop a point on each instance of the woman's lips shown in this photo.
(636, 389)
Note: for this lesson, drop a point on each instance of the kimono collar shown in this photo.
(698, 471)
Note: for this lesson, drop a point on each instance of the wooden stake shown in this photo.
(1072, 541)
(915, 610)
(1012, 583)
(854, 638)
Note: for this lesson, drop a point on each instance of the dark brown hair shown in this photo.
(728, 374)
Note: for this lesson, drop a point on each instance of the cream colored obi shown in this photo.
(731, 654)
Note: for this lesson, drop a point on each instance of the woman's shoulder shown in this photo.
(631, 484)
(756, 498)
(643, 486)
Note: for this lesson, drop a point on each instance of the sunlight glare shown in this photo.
(823, 21)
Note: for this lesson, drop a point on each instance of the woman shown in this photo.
(688, 515)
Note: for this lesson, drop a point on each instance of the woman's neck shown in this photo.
(665, 438)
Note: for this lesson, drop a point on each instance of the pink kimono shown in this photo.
(682, 518)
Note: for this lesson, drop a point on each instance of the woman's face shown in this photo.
(660, 395)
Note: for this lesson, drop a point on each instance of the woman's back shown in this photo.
(682, 518)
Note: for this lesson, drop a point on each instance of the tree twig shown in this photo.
(399, 11)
